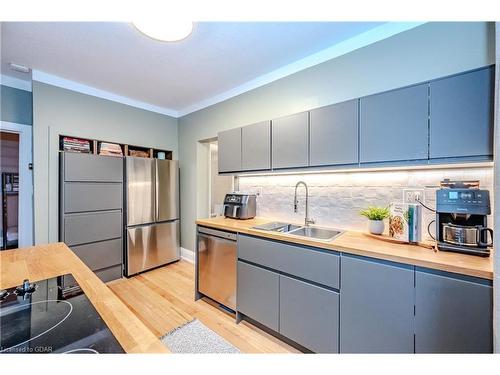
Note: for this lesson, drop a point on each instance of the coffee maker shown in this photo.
(461, 220)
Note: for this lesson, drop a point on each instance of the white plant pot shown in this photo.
(376, 226)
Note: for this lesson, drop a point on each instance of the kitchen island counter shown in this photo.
(47, 261)
(359, 243)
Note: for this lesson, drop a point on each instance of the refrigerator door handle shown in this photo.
(156, 185)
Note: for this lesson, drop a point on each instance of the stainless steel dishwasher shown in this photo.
(216, 266)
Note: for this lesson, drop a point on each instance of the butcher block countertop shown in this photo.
(361, 244)
(47, 261)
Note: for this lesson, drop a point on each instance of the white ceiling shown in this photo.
(216, 59)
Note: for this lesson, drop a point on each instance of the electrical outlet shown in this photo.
(413, 195)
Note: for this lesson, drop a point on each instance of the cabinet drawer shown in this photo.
(309, 315)
(92, 227)
(257, 294)
(314, 265)
(100, 254)
(91, 196)
(87, 167)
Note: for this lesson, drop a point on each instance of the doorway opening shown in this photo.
(9, 169)
(219, 185)
(16, 186)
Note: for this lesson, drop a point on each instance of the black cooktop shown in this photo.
(40, 318)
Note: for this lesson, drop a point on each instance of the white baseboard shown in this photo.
(187, 255)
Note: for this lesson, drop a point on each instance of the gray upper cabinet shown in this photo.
(256, 146)
(394, 125)
(334, 134)
(461, 115)
(309, 315)
(229, 146)
(290, 141)
(377, 306)
(453, 314)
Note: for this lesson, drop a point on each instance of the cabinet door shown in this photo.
(257, 294)
(393, 125)
(334, 134)
(229, 149)
(377, 306)
(309, 315)
(91, 168)
(290, 141)
(461, 115)
(256, 146)
(452, 315)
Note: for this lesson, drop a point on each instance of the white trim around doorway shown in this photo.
(25, 214)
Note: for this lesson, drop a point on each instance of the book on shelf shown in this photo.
(76, 145)
(110, 149)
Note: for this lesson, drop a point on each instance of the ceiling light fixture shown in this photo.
(165, 30)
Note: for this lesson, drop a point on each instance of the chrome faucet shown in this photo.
(307, 220)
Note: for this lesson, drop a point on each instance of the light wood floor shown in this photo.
(164, 299)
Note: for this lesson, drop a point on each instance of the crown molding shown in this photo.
(89, 90)
(16, 83)
(369, 37)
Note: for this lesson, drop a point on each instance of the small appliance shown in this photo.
(240, 206)
(462, 221)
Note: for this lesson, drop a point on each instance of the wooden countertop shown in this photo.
(47, 261)
(361, 244)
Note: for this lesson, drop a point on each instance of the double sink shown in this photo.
(323, 234)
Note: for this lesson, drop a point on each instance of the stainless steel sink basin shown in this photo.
(316, 233)
(277, 226)
(300, 231)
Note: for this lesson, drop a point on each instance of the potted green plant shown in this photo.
(376, 216)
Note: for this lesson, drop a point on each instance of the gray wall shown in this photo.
(17, 105)
(426, 52)
(59, 111)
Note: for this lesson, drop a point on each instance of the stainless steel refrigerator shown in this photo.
(152, 213)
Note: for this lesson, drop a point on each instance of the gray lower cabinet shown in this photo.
(394, 125)
(229, 150)
(290, 141)
(319, 266)
(91, 212)
(461, 115)
(377, 306)
(256, 146)
(258, 294)
(309, 315)
(454, 314)
(334, 134)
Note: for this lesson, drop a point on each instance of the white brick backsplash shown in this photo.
(335, 199)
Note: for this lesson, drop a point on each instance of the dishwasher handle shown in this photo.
(217, 233)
